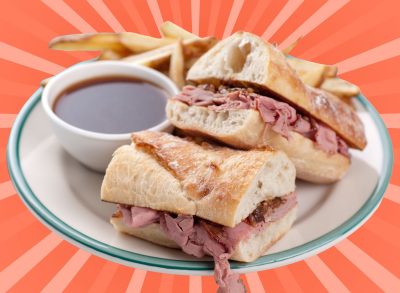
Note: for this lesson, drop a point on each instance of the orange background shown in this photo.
(362, 37)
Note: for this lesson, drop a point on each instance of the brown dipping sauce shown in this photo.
(114, 104)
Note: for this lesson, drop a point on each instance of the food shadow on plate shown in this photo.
(85, 184)
(327, 201)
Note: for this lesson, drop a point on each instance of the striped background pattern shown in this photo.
(361, 37)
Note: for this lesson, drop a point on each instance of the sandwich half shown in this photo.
(246, 95)
(202, 198)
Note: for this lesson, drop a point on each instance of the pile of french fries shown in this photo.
(321, 76)
(324, 77)
(176, 51)
(172, 54)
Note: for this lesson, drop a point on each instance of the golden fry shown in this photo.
(340, 87)
(289, 48)
(88, 42)
(171, 30)
(330, 71)
(140, 43)
(177, 65)
(311, 73)
(158, 57)
(113, 55)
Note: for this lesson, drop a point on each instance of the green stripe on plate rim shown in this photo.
(30, 199)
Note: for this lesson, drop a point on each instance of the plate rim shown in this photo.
(196, 266)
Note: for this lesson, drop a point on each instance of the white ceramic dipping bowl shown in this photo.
(94, 149)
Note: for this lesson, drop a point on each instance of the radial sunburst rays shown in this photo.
(105, 13)
(325, 11)
(83, 272)
(67, 13)
(195, 9)
(383, 229)
(137, 280)
(14, 225)
(382, 52)
(6, 188)
(287, 11)
(378, 274)
(6, 120)
(19, 56)
(104, 277)
(287, 279)
(328, 279)
(155, 11)
(22, 265)
(391, 120)
(254, 282)
(195, 284)
(64, 276)
(360, 23)
(393, 193)
(233, 15)
(135, 17)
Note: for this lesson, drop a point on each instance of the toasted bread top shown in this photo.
(245, 59)
(201, 168)
(223, 185)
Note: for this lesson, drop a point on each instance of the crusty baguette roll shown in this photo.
(246, 250)
(246, 60)
(245, 129)
(167, 173)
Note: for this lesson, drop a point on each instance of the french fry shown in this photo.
(88, 42)
(330, 71)
(151, 58)
(155, 58)
(340, 87)
(171, 30)
(177, 65)
(113, 55)
(311, 73)
(140, 43)
(289, 48)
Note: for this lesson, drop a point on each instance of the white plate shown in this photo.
(64, 195)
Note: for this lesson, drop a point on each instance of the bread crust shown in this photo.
(312, 164)
(164, 172)
(247, 250)
(135, 178)
(217, 124)
(219, 65)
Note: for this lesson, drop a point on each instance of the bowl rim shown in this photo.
(137, 69)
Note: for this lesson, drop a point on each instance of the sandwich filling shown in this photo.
(199, 237)
(279, 115)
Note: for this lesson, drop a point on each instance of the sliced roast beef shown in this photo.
(199, 237)
(272, 210)
(303, 126)
(326, 138)
(138, 217)
(227, 281)
(343, 148)
(279, 115)
(195, 240)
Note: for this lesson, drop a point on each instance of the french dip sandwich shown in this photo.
(202, 198)
(246, 95)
